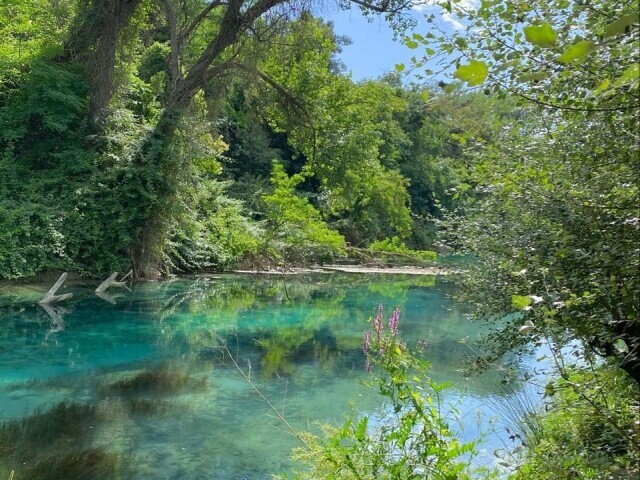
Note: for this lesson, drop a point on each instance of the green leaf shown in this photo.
(550, 389)
(630, 75)
(619, 27)
(474, 74)
(578, 51)
(621, 346)
(604, 85)
(399, 67)
(424, 95)
(411, 44)
(541, 35)
(520, 302)
(533, 77)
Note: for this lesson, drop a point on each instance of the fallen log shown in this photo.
(56, 314)
(109, 298)
(51, 297)
(112, 282)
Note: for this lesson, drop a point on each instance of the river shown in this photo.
(142, 384)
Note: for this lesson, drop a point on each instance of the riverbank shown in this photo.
(408, 270)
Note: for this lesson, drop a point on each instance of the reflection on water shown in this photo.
(137, 385)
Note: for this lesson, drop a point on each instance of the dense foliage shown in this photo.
(557, 224)
(591, 429)
(554, 228)
(142, 134)
(178, 135)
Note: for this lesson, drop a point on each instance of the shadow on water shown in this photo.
(141, 385)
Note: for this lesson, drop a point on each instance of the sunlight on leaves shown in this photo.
(528, 327)
(474, 74)
(604, 85)
(577, 52)
(541, 35)
(630, 75)
(520, 302)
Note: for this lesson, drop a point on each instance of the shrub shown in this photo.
(591, 430)
(411, 440)
(295, 227)
(396, 247)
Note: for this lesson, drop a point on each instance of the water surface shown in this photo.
(162, 398)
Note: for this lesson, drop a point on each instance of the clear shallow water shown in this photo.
(166, 400)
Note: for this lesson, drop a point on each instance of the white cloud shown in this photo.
(433, 6)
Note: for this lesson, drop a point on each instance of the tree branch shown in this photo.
(176, 46)
(196, 21)
(384, 7)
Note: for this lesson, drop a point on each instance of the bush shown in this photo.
(295, 228)
(591, 430)
(395, 247)
(412, 440)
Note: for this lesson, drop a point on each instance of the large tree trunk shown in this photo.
(147, 249)
(102, 66)
(155, 179)
(94, 39)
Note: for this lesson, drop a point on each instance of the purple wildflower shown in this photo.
(367, 342)
(376, 323)
(393, 322)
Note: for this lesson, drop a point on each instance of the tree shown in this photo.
(556, 231)
(293, 221)
(348, 134)
(190, 66)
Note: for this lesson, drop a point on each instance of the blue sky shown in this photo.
(373, 51)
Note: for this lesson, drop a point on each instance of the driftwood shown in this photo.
(111, 282)
(51, 297)
(109, 298)
(56, 314)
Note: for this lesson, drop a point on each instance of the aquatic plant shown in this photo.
(86, 464)
(156, 382)
(65, 423)
(51, 445)
(147, 407)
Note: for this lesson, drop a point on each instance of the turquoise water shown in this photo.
(155, 368)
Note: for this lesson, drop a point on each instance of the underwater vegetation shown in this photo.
(62, 442)
(156, 382)
(52, 445)
(86, 464)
